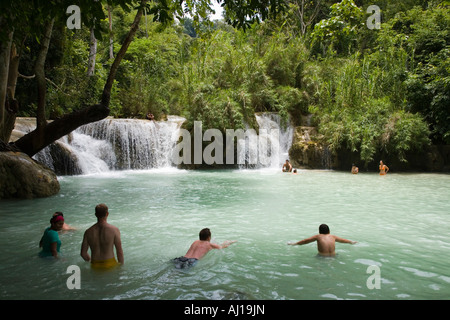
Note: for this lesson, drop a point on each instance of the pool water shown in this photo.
(401, 223)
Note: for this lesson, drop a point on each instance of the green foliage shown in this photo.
(369, 91)
(339, 32)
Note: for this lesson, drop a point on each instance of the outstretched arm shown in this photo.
(342, 240)
(304, 241)
(223, 245)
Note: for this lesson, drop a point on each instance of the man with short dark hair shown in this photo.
(325, 241)
(102, 237)
(199, 249)
(287, 166)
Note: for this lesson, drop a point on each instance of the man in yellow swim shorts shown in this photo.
(102, 238)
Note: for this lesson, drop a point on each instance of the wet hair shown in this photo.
(101, 210)
(56, 215)
(204, 234)
(323, 229)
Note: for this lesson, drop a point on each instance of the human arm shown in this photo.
(304, 241)
(84, 249)
(118, 245)
(53, 249)
(342, 240)
(224, 245)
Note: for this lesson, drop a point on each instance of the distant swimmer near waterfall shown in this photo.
(325, 241)
(287, 166)
(383, 168)
(199, 249)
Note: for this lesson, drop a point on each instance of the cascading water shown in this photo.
(112, 144)
(132, 144)
(136, 144)
(270, 147)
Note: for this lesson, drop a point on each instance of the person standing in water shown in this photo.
(50, 242)
(325, 241)
(199, 249)
(101, 238)
(383, 168)
(65, 226)
(287, 166)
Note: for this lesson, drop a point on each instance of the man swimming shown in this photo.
(199, 249)
(325, 241)
(102, 237)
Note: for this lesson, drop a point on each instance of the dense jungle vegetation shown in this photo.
(366, 89)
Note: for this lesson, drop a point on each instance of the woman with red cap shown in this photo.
(50, 241)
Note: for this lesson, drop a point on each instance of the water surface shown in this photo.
(400, 222)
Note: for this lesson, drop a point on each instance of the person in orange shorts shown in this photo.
(383, 168)
(102, 238)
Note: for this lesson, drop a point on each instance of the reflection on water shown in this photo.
(400, 222)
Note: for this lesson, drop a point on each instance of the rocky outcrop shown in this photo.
(23, 177)
(307, 152)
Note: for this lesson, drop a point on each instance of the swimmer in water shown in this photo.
(287, 166)
(50, 242)
(65, 226)
(383, 168)
(325, 241)
(102, 237)
(199, 249)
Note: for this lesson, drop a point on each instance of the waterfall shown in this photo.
(270, 147)
(132, 144)
(113, 144)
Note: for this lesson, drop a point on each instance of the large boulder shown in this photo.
(308, 152)
(23, 177)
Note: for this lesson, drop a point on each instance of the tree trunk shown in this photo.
(92, 54)
(39, 70)
(111, 41)
(5, 52)
(35, 141)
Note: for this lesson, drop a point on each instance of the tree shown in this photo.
(19, 20)
(339, 32)
(37, 20)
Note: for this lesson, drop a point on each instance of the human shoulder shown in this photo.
(52, 234)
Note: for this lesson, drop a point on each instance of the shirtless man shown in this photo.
(199, 249)
(325, 241)
(287, 166)
(102, 237)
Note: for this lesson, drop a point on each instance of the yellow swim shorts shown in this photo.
(104, 264)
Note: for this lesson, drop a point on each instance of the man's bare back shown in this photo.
(102, 238)
(326, 244)
(199, 248)
(325, 241)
